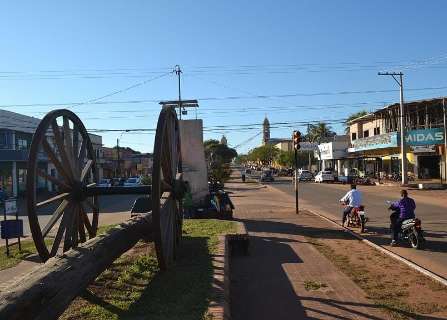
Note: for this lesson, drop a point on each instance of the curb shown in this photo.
(391, 254)
(219, 306)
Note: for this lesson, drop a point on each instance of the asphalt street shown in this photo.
(431, 209)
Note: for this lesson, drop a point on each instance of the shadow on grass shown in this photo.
(134, 288)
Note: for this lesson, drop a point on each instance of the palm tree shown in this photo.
(320, 132)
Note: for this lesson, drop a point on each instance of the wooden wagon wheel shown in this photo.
(166, 187)
(62, 141)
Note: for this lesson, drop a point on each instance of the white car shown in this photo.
(105, 183)
(324, 176)
(132, 182)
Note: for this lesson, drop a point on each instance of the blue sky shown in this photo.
(304, 57)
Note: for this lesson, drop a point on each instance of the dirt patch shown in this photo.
(402, 292)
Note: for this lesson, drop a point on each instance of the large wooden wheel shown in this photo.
(167, 189)
(61, 154)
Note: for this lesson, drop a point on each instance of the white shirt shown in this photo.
(353, 198)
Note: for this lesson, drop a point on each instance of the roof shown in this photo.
(18, 122)
(431, 101)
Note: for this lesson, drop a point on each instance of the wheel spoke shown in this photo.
(54, 180)
(53, 157)
(60, 233)
(56, 215)
(69, 228)
(82, 237)
(60, 147)
(86, 169)
(93, 206)
(86, 221)
(68, 143)
(51, 200)
(75, 152)
(75, 230)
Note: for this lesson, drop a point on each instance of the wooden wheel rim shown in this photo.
(73, 218)
(167, 221)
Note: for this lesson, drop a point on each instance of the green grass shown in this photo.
(28, 248)
(134, 288)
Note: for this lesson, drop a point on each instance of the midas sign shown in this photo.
(425, 137)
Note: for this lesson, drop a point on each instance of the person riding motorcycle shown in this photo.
(405, 207)
(352, 199)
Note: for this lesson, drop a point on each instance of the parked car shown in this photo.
(266, 176)
(105, 183)
(132, 182)
(118, 181)
(324, 176)
(305, 175)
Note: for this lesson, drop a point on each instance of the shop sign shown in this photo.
(421, 149)
(381, 141)
(425, 137)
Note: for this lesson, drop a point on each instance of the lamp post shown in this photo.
(403, 146)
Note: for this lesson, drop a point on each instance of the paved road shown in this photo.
(431, 209)
(113, 209)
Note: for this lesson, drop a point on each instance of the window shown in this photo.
(354, 136)
(5, 140)
(366, 134)
(21, 177)
(376, 131)
(22, 144)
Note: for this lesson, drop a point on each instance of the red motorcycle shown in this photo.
(356, 218)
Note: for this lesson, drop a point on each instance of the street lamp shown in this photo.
(402, 122)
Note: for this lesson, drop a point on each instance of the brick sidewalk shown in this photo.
(270, 282)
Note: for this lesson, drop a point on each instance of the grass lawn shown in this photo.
(134, 288)
(28, 248)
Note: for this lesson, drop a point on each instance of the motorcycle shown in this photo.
(356, 218)
(411, 229)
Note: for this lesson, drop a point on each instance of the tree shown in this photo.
(264, 154)
(286, 158)
(320, 132)
(352, 117)
(219, 157)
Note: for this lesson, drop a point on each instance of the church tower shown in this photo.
(265, 131)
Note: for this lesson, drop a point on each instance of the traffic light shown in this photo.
(296, 140)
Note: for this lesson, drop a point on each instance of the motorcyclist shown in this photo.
(405, 207)
(352, 199)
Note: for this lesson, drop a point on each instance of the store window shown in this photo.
(366, 134)
(5, 140)
(376, 131)
(354, 136)
(21, 144)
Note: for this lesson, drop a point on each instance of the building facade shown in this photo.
(375, 140)
(16, 133)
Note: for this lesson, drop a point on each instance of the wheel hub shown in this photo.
(79, 193)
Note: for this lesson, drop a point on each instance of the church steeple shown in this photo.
(265, 131)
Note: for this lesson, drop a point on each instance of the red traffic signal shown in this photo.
(296, 137)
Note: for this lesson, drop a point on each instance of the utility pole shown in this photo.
(403, 147)
(310, 160)
(118, 171)
(178, 72)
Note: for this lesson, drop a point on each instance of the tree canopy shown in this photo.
(264, 154)
(320, 132)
